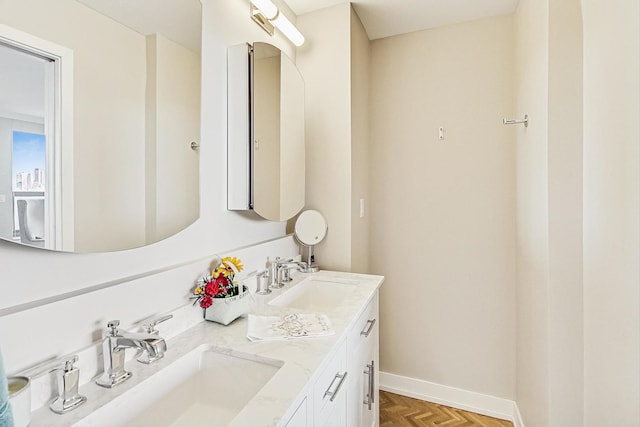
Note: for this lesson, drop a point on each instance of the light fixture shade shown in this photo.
(288, 29)
(267, 8)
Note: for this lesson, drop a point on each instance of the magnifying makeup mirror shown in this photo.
(310, 229)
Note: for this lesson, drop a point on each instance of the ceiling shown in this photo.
(384, 18)
(177, 20)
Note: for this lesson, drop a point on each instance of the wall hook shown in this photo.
(524, 121)
(194, 146)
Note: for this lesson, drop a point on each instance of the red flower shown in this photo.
(206, 302)
(221, 284)
(211, 289)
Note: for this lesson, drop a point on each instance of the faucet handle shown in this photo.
(150, 327)
(113, 326)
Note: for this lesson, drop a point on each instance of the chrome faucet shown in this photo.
(114, 344)
(278, 267)
(146, 356)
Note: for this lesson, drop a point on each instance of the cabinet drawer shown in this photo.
(331, 387)
(365, 327)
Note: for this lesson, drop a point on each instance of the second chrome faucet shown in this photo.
(114, 343)
(279, 271)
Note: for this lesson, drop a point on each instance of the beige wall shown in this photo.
(443, 213)
(267, 164)
(549, 216)
(531, 24)
(565, 215)
(174, 170)
(611, 213)
(324, 62)
(360, 169)
(292, 151)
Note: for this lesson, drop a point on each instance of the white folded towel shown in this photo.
(298, 325)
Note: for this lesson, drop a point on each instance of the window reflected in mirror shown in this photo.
(28, 158)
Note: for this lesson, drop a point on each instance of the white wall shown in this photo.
(325, 63)
(443, 213)
(224, 24)
(611, 213)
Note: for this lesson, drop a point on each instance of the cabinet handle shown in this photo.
(332, 394)
(370, 398)
(372, 383)
(366, 331)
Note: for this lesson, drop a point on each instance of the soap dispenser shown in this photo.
(68, 379)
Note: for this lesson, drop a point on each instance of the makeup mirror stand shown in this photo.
(310, 229)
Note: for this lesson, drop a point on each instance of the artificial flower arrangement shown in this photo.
(219, 283)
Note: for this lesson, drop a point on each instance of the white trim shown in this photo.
(479, 403)
(52, 180)
(517, 417)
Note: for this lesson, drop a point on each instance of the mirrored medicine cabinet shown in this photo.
(266, 144)
(107, 164)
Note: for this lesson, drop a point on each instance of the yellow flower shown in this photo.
(198, 291)
(220, 270)
(233, 263)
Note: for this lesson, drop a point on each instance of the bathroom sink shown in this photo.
(314, 294)
(203, 388)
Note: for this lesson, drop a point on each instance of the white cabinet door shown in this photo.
(363, 409)
(330, 391)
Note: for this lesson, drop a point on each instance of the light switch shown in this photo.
(361, 208)
(2, 198)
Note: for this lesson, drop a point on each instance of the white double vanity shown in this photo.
(213, 375)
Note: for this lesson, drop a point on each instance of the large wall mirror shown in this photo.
(268, 135)
(125, 123)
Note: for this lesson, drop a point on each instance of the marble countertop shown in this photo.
(300, 358)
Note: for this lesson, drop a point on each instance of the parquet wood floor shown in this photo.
(396, 410)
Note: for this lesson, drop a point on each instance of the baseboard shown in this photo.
(479, 403)
(517, 418)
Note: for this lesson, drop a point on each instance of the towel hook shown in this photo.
(524, 121)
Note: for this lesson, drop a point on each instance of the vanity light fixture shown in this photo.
(268, 17)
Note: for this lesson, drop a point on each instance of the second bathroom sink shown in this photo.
(314, 294)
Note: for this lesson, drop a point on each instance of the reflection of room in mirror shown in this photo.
(135, 112)
(278, 134)
(23, 150)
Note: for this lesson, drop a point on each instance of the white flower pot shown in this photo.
(226, 310)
